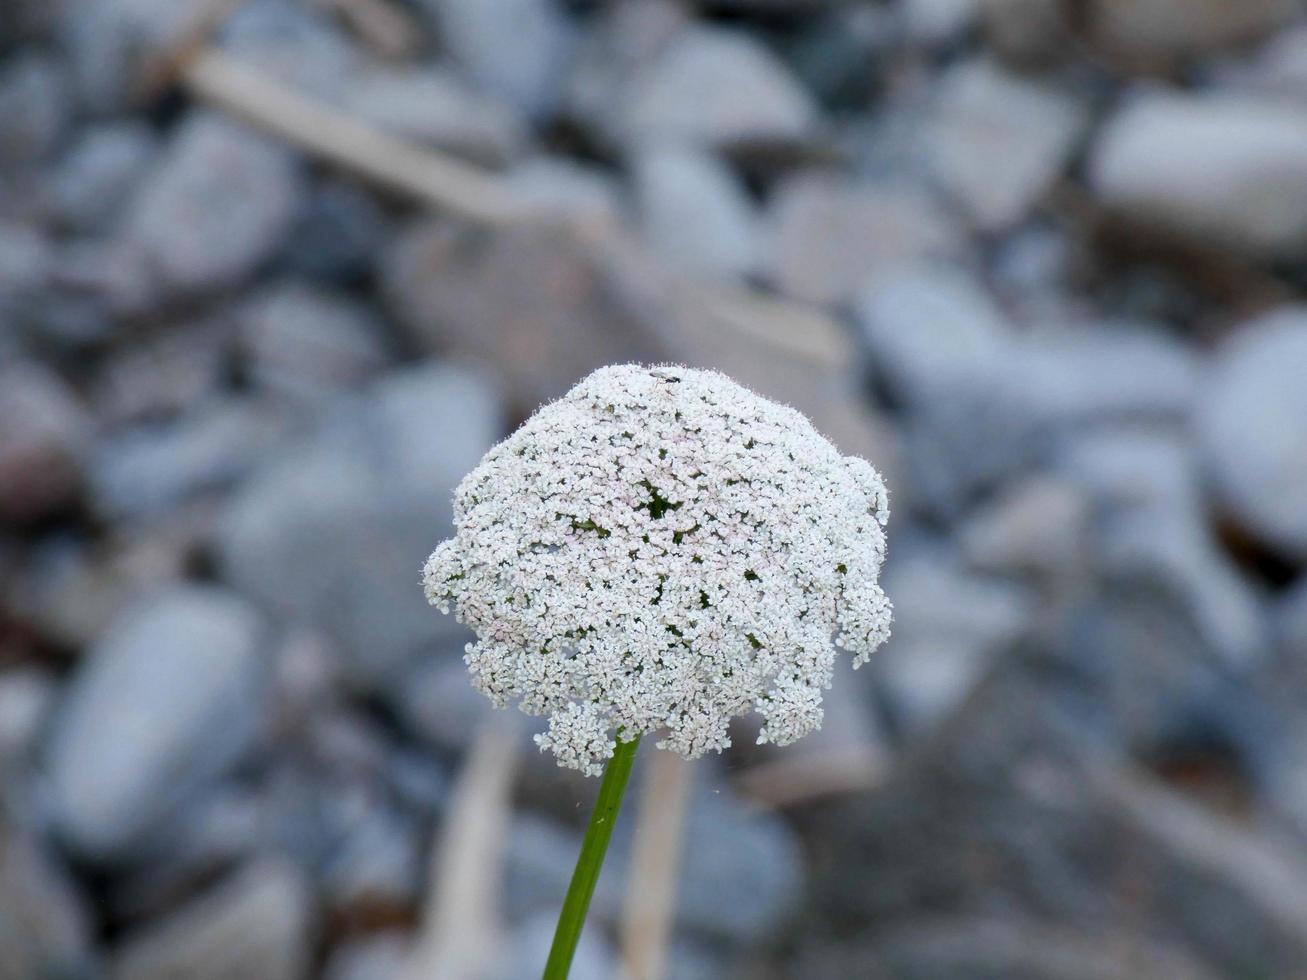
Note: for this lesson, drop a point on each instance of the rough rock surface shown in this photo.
(829, 238)
(1041, 261)
(1218, 171)
(999, 140)
(1252, 427)
(42, 443)
(328, 533)
(256, 924)
(191, 661)
(216, 207)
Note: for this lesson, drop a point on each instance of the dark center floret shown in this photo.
(658, 505)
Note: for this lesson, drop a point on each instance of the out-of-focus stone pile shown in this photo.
(1042, 259)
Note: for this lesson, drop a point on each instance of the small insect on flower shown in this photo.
(663, 550)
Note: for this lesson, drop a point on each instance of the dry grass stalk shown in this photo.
(462, 928)
(650, 906)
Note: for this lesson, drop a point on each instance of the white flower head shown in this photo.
(663, 550)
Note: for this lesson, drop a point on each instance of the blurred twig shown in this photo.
(449, 185)
(655, 865)
(386, 27)
(211, 74)
(163, 67)
(460, 932)
(430, 177)
(803, 776)
(780, 324)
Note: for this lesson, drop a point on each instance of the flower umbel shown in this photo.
(662, 549)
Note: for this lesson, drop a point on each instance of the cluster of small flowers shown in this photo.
(662, 549)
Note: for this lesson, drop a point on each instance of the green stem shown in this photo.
(593, 848)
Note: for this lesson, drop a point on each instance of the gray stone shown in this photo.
(544, 304)
(380, 956)
(303, 46)
(1158, 685)
(962, 447)
(1161, 31)
(1044, 388)
(994, 947)
(307, 675)
(1027, 32)
(997, 140)
(420, 784)
(158, 377)
(741, 871)
(742, 876)
(1291, 620)
(43, 442)
(830, 236)
(924, 681)
(937, 596)
(929, 326)
(221, 828)
(111, 43)
(688, 959)
(528, 949)
(216, 207)
(334, 532)
(95, 286)
(27, 259)
(843, 55)
(257, 923)
(560, 187)
(35, 108)
(45, 930)
(1176, 552)
(538, 864)
(1039, 527)
(764, 8)
(433, 106)
(1040, 795)
(337, 235)
(1218, 171)
(147, 470)
(1252, 429)
(547, 305)
(1103, 372)
(438, 705)
(949, 625)
(1150, 526)
(307, 344)
(378, 867)
(938, 22)
(1286, 789)
(1133, 470)
(74, 589)
(188, 659)
(26, 696)
(312, 806)
(1279, 69)
(626, 38)
(99, 172)
(695, 211)
(720, 88)
(29, 20)
(514, 49)
(1034, 271)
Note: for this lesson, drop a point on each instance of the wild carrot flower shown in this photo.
(663, 550)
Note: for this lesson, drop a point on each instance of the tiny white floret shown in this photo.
(661, 550)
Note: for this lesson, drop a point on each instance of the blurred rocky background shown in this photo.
(274, 274)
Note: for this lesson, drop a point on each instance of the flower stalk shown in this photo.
(588, 865)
